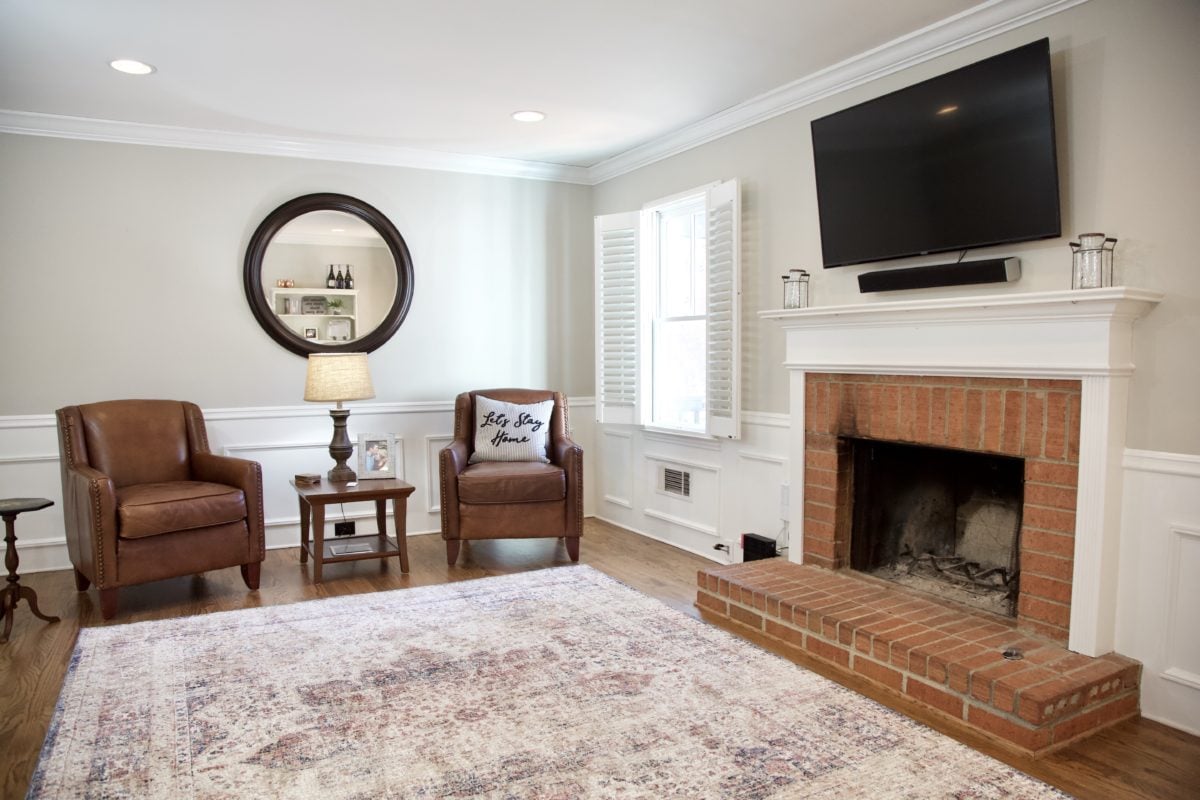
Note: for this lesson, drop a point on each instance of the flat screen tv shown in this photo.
(959, 161)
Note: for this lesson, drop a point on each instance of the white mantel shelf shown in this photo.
(1066, 334)
(1117, 301)
(1084, 335)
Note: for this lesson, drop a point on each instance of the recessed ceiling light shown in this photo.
(944, 110)
(131, 67)
(528, 116)
(338, 230)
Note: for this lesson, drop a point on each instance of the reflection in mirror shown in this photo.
(302, 255)
(288, 265)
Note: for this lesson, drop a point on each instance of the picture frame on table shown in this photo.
(376, 455)
(310, 333)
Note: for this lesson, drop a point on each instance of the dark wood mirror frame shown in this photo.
(252, 273)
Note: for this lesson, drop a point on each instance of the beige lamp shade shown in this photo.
(337, 377)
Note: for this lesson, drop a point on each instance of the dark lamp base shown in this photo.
(341, 474)
(340, 448)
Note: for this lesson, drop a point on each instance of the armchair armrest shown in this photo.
(562, 451)
(452, 460)
(238, 472)
(244, 474)
(568, 455)
(90, 516)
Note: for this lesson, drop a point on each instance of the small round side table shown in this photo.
(14, 591)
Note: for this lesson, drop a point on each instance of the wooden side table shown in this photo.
(14, 591)
(313, 500)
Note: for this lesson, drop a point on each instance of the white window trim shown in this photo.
(645, 235)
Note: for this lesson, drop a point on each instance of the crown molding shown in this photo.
(981, 22)
(988, 19)
(104, 130)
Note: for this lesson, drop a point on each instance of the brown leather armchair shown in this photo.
(144, 499)
(511, 499)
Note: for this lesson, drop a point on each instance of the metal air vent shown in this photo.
(677, 481)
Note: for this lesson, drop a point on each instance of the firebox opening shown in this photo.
(939, 520)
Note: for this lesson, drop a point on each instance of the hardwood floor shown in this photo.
(1137, 759)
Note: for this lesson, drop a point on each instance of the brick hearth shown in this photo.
(943, 657)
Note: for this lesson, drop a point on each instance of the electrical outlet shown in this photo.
(343, 528)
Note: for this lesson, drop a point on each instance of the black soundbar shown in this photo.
(992, 270)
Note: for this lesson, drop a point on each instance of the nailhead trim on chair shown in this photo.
(94, 493)
(578, 453)
(97, 532)
(262, 526)
(443, 457)
(204, 439)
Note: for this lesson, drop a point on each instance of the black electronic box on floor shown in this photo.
(755, 547)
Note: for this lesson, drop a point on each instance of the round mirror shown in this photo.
(328, 273)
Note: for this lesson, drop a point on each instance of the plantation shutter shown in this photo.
(617, 242)
(722, 337)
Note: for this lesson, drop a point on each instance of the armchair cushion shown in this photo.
(511, 482)
(511, 432)
(149, 509)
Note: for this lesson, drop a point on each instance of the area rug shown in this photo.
(561, 683)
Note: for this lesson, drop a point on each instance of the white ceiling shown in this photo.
(443, 76)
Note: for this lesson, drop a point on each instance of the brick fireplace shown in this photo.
(1036, 420)
(1041, 377)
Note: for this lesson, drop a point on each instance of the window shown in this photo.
(667, 313)
(676, 313)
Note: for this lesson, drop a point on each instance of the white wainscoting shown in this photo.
(735, 484)
(1158, 596)
(285, 440)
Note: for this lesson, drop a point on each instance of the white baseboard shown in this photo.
(677, 545)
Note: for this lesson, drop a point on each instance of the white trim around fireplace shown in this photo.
(1083, 335)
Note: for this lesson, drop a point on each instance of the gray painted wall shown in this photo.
(122, 277)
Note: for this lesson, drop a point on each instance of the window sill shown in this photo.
(677, 436)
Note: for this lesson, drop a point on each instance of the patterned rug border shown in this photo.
(415, 596)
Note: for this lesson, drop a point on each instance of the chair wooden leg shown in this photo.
(573, 547)
(108, 603)
(452, 547)
(251, 573)
(81, 581)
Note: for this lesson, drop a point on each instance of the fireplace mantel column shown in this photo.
(1102, 425)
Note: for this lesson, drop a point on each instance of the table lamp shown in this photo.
(339, 377)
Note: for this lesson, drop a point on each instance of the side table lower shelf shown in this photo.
(345, 548)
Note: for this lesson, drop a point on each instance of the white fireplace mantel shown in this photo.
(1085, 335)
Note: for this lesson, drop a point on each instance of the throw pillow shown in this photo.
(511, 432)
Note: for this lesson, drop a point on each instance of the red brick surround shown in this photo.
(1037, 420)
(946, 659)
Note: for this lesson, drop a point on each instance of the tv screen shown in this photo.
(959, 161)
